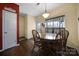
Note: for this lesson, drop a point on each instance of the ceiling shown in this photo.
(36, 10)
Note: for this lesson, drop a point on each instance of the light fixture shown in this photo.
(46, 14)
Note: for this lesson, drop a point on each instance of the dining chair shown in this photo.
(61, 40)
(37, 44)
(63, 36)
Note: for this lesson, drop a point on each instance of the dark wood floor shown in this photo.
(24, 49)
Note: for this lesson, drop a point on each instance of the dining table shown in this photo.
(49, 44)
(53, 47)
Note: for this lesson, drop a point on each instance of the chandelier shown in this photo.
(46, 14)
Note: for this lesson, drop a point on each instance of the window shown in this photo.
(55, 23)
(38, 25)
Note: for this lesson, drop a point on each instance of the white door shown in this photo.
(9, 29)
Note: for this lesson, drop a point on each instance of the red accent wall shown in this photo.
(14, 7)
(0, 29)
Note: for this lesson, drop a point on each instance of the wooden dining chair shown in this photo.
(61, 38)
(37, 44)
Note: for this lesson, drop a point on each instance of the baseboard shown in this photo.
(11, 47)
(30, 38)
(1, 50)
(21, 37)
(18, 45)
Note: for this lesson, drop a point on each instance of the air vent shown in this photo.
(38, 3)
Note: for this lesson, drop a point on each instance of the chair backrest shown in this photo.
(36, 35)
(63, 35)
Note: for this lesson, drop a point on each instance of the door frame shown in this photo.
(2, 29)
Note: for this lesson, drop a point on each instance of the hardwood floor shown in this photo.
(24, 49)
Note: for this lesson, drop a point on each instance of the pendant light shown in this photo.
(46, 14)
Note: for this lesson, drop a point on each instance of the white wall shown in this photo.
(77, 19)
(30, 25)
(21, 26)
(78, 24)
(26, 25)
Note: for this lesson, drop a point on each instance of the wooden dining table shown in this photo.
(49, 44)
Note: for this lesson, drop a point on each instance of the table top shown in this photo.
(50, 36)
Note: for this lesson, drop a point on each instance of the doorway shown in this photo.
(9, 29)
